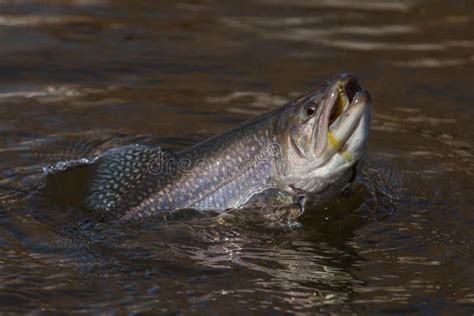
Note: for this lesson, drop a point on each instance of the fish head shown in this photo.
(322, 136)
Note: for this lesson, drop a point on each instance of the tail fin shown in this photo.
(119, 171)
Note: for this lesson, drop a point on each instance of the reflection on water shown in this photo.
(79, 77)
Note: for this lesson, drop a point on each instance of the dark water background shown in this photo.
(78, 77)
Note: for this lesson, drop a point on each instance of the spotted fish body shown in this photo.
(222, 172)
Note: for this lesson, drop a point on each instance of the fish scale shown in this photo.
(233, 167)
(234, 170)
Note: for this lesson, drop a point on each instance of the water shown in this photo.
(78, 77)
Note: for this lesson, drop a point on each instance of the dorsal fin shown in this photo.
(119, 171)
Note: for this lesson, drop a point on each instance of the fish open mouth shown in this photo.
(345, 104)
(345, 95)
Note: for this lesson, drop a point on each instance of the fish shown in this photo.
(313, 146)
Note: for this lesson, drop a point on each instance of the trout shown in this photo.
(310, 146)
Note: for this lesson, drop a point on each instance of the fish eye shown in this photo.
(310, 111)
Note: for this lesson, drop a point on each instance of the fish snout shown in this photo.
(345, 88)
(345, 103)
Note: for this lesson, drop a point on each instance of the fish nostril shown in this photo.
(351, 88)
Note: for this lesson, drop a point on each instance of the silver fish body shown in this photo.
(308, 146)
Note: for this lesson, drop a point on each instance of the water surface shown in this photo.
(80, 76)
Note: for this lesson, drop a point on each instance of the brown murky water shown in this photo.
(80, 76)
